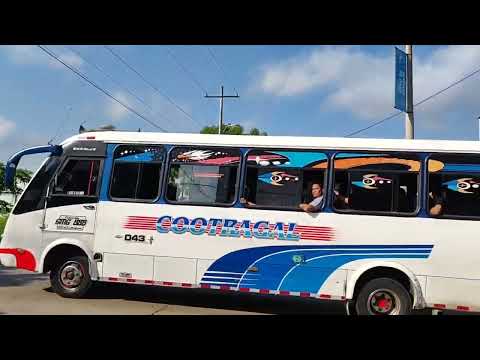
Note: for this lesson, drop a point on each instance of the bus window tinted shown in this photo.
(376, 182)
(284, 179)
(77, 178)
(454, 186)
(136, 172)
(203, 175)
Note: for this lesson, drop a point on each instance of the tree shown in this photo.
(22, 178)
(231, 129)
(255, 131)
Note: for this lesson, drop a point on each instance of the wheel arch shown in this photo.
(379, 269)
(67, 245)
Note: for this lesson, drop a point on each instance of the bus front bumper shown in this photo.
(18, 258)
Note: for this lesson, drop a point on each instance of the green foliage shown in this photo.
(22, 178)
(3, 221)
(231, 129)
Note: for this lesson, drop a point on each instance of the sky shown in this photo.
(284, 90)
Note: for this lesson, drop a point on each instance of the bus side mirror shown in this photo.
(10, 170)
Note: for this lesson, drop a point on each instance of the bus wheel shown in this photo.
(383, 296)
(70, 278)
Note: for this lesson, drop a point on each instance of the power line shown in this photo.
(100, 69)
(374, 124)
(61, 124)
(417, 104)
(100, 88)
(185, 70)
(215, 60)
(124, 62)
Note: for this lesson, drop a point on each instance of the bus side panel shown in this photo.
(177, 270)
(453, 292)
(140, 267)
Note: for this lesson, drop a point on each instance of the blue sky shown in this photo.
(284, 90)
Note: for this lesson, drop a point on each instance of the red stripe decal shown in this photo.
(264, 291)
(464, 308)
(205, 286)
(131, 280)
(325, 296)
(167, 283)
(112, 279)
(305, 294)
(224, 287)
(149, 281)
(244, 289)
(439, 306)
(283, 292)
(186, 285)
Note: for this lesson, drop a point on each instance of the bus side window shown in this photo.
(454, 186)
(199, 175)
(136, 172)
(79, 177)
(283, 178)
(383, 183)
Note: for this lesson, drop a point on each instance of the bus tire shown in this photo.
(70, 277)
(383, 296)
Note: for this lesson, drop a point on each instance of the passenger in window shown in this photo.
(340, 201)
(436, 203)
(244, 200)
(316, 203)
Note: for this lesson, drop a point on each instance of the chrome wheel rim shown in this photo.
(71, 275)
(384, 302)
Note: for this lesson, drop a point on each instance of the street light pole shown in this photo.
(409, 123)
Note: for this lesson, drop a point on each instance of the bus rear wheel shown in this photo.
(70, 277)
(383, 296)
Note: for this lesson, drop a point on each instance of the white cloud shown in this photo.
(33, 55)
(114, 110)
(363, 83)
(6, 127)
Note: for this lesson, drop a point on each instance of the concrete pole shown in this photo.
(409, 123)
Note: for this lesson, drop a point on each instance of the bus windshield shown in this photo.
(33, 196)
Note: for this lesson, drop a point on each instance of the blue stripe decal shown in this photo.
(461, 167)
(278, 271)
(301, 159)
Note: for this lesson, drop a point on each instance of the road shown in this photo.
(26, 293)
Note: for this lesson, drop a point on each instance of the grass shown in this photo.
(3, 221)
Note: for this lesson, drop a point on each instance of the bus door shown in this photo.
(71, 204)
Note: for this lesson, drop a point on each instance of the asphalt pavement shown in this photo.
(27, 293)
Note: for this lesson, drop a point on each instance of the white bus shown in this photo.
(396, 228)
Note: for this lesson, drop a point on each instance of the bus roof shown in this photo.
(296, 142)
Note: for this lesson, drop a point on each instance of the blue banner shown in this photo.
(400, 80)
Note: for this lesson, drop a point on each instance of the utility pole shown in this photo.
(221, 97)
(409, 124)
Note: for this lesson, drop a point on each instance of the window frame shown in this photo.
(283, 208)
(195, 203)
(160, 180)
(448, 217)
(420, 189)
(62, 167)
